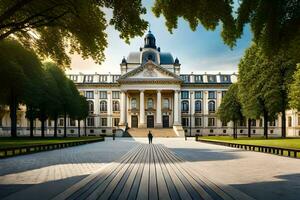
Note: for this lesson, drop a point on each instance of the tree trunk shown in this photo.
(78, 128)
(85, 127)
(42, 128)
(234, 127)
(266, 124)
(13, 116)
(249, 127)
(65, 124)
(283, 123)
(55, 126)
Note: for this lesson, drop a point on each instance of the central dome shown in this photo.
(149, 41)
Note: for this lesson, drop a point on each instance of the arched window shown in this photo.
(91, 107)
(133, 103)
(166, 103)
(150, 103)
(103, 106)
(116, 106)
(211, 106)
(198, 106)
(184, 106)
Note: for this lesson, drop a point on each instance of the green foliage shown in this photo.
(208, 13)
(294, 94)
(58, 27)
(274, 23)
(230, 108)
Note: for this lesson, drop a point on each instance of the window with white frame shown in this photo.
(103, 106)
(184, 94)
(103, 121)
(90, 121)
(185, 78)
(198, 121)
(102, 94)
(184, 106)
(211, 78)
(116, 106)
(133, 103)
(211, 106)
(116, 95)
(150, 103)
(91, 107)
(116, 121)
(166, 103)
(211, 121)
(211, 95)
(198, 78)
(198, 106)
(89, 94)
(185, 121)
(198, 94)
(72, 122)
(88, 78)
(102, 78)
(225, 78)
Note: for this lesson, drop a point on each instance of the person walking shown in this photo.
(150, 137)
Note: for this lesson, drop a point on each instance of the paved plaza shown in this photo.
(236, 173)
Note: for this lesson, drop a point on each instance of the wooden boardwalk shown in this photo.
(149, 172)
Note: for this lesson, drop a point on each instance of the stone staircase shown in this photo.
(156, 132)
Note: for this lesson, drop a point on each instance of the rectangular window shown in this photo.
(73, 78)
(211, 121)
(211, 95)
(253, 122)
(211, 78)
(289, 121)
(198, 78)
(185, 95)
(90, 121)
(185, 78)
(61, 122)
(198, 122)
(102, 78)
(88, 78)
(103, 95)
(224, 123)
(225, 78)
(272, 123)
(49, 122)
(185, 121)
(103, 121)
(198, 95)
(89, 94)
(116, 95)
(115, 78)
(116, 121)
(72, 122)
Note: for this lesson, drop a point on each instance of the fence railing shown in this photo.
(21, 150)
(295, 153)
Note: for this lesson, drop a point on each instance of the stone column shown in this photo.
(176, 108)
(142, 110)
(192, 106)
(158, 109)
(97, 108)
(122, 109)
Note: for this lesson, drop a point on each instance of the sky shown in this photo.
(198, 52)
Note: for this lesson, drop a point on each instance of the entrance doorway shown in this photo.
(134, 121)
(150, 121)
(166, 121)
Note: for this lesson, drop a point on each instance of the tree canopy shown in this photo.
(57, 27)
(275, 23)
(294, 94)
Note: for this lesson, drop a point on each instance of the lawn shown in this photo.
(25, 141)
(293, 143)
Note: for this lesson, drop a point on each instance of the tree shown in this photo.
(294, 94)
(14, 60)
(82, 111)
(230, 108)
(53, 27)
(275, 23)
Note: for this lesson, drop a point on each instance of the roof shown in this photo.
(166, 58)
(134, 57)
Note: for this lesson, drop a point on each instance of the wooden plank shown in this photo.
(116, 185)
(153, 195)
(135, 186)
(103, 175)
(116, 173)
(203, 194)
(163, 192)
(129, 182)
(144, 184)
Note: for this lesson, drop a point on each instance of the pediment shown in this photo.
(149, 72)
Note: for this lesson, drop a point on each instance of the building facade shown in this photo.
(150, 92)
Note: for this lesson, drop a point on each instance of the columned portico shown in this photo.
(142, 110)
(176, 108)
(122, 108)
(158, 109)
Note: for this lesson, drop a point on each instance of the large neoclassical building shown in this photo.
(150, 92)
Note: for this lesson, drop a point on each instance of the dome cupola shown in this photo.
(149, 41)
